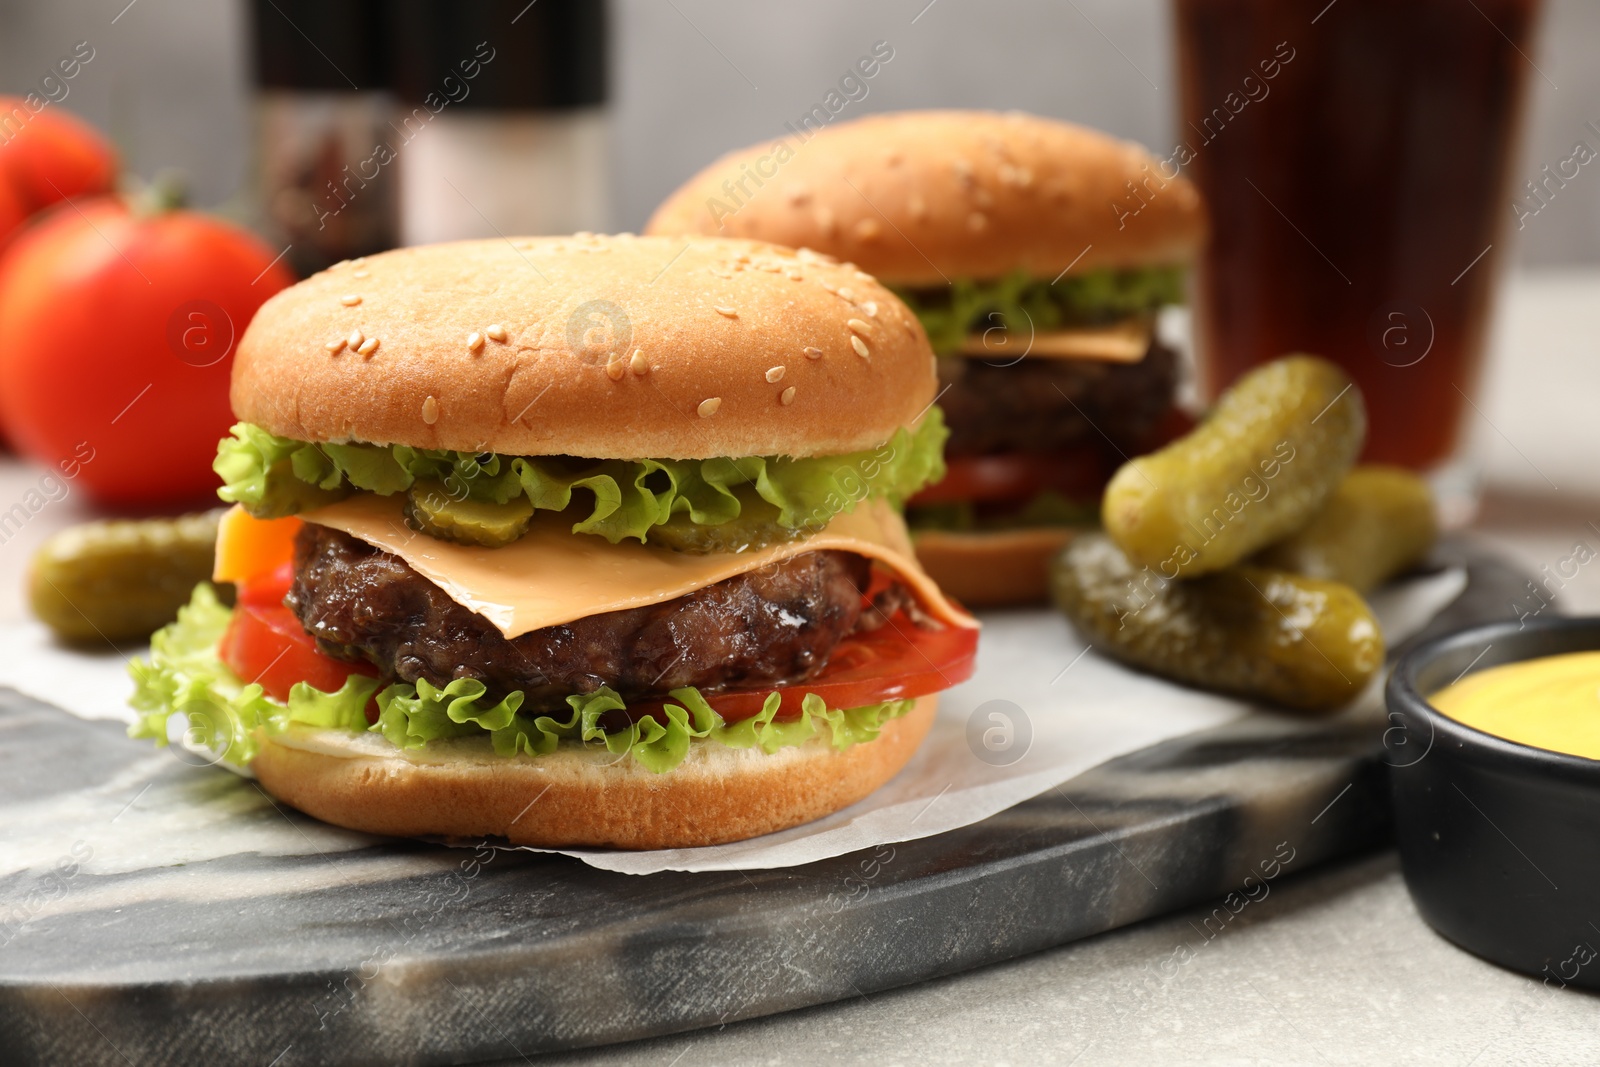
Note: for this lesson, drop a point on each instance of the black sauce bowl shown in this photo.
(1499, 842)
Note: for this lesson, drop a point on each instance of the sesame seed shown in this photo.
(362, 274)
(726, 311)
(775, 374)
(355, 339)
(640, 365)
(430, 411)
(859, 326)
(860, 346)
(813, 353)
(829, 286)
(871, 308)
(847, 292)
(341, 263)
(335, 346)
(615, 369)
(787, 397)
(825, 220)
(474, 341)
(358, 261)
(796, 276)
(742, 257)
(770, 267)
(867, 229)
(917, 206)
(799, 194)
(708, 407)
(350, 300)
(369, 346)
(496, 332)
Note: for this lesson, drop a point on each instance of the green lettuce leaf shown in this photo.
(183, 675)
(273, 476)
(228, 717)
(950, 314)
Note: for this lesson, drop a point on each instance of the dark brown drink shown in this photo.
(1356, 158)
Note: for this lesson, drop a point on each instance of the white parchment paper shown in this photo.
(1041, 709)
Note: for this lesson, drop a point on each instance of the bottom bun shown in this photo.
(992, 569)
(577, 796)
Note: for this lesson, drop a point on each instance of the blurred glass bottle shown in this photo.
(322, 129)
(502, 124)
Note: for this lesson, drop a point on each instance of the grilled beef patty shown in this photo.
(777, 624)
(1046, 405)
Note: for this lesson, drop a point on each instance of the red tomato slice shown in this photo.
(270, 589)
(265, 643)
(896, 661)
(1017, 477)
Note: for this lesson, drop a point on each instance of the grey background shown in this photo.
(693, 78)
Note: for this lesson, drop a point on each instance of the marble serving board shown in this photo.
(265, 937)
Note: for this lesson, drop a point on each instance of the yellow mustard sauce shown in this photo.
(1552, 702)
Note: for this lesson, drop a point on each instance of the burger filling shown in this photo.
(1046, 387)
(442, 597)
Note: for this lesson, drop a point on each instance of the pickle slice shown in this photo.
(431, 509)
(1267, 457)
(1262, 634)
(1379, 523)
(756, 527)
(120, 580)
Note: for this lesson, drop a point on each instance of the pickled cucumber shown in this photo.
(1261, 634)
(1378, 523)
(120, 580)
(432, 509)
(756, 527)
(1266, 458)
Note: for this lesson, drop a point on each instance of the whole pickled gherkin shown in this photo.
(431, 508)
(120, 580)
(1247, 631)
(1266, 458)
(1378, 524)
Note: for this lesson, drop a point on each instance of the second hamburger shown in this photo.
(1036, 254)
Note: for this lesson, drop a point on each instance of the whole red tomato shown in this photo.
(45, 156)
(117, 331)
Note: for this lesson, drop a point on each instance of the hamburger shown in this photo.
(1036, 255)
(583, 541)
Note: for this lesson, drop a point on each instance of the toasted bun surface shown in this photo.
(605, 347)
(575, 796)
(991, 570)
(924, 197)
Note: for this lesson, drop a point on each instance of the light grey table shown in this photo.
(1334, 966)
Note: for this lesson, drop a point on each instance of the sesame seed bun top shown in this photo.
(605, 347)
(926, 197)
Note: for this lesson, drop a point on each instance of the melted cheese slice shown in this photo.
(552, 576)
(1121, 342)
